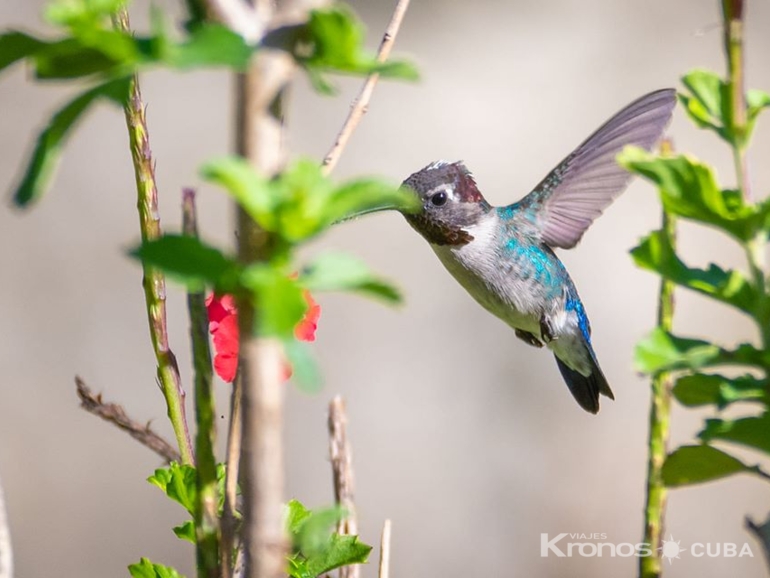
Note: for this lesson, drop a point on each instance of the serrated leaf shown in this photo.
(688, 188)
(296, 514)
(190, 261)
(178, 482)
(297, 567)
(753, 432)
(341, 551)
(50, 142)
(697, 464)
(109, 52)
(661, 351)
(655, 253)
(278, 298)
(15, 46)
(702, 389)
(185, 531)
(341, 272)
(305, 371)
(146, 569)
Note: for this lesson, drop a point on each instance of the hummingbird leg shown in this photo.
(546, 331)
(528, 338)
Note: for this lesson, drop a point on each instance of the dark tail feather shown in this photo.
(584, 389)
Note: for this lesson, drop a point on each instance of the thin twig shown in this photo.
(116, 415)
(6, 552)
(659, 422)
(361, 104)
(154, 281)
(207, 497)
(229, 518)
(342, 474)
(385, 551)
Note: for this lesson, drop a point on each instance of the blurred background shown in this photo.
(462, 435)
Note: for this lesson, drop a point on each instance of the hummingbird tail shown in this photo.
(586, 389)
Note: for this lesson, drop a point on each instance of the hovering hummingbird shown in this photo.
(504, 256)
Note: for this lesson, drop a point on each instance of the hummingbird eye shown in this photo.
(440, 198)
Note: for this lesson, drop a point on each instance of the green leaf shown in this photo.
(50, 142)
(661, 351)
(333, 41)
(753, 432)
(279, 299)
(655, 253)
(81, 13)
(702, 389)
(304, 193)
(756, 102)
(296, 514)
(209, 45)
(178, 483)
(708, 102)
(341, 551)
(186, 531)
(304, 367)
(249, 189)
(110, 52)
(364, 196)
(15, 46)
(316, 548)
(190, 261)
(341, 272)
(146, 569)
(689, 189)
(698, 464)
(297, 567)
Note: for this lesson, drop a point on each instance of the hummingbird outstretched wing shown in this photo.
(573, 194)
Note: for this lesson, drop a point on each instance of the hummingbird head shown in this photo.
(451, 202)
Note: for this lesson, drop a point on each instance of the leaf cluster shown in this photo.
(689, 190)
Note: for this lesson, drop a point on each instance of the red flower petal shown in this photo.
(223, 326)
(306, 328)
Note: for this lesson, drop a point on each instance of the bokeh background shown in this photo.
(462, 435)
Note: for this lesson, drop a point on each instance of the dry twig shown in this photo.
(116, 415)
(342, 472)
(361, 104)
(385, 551)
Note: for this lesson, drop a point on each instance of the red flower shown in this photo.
(223, 326)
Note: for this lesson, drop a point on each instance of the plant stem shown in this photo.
(259, 137)
(659, 424)
(342, 476)
(207, 498)
(154, 282)
(732, 13)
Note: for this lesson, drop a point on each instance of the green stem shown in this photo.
(206, 518)
(154, 282)
(732, 13)
(659, 424)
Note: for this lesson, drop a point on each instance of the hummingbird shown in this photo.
(505, 256)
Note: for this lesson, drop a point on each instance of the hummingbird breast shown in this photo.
(513, 278)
